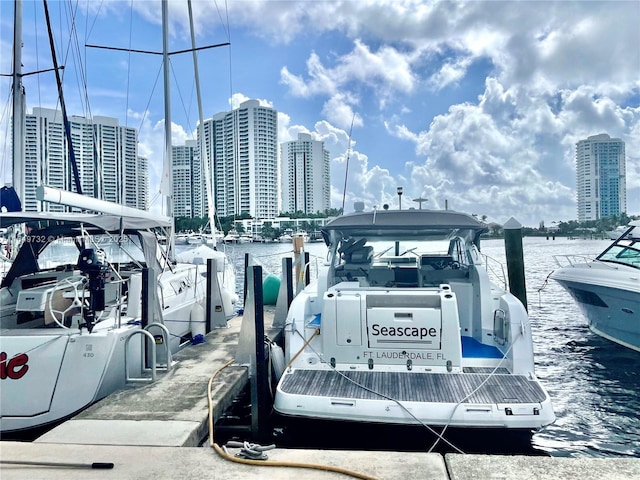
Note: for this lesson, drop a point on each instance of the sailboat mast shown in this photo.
(167, 104)
(204, 153)
(167, 119)
(18, 105)
(74, 174)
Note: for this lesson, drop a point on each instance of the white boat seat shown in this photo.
(360, 255)
(356, 263)
(436, 277)
(381, 276)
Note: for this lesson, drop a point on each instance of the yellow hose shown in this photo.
(268, 463)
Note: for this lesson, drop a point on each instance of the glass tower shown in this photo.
(600, 177)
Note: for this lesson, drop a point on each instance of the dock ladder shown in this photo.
(153, 357)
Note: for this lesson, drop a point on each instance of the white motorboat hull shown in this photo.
(435, 399)
(404, 326)
(466, 385)
(609, 298)
(607, 288)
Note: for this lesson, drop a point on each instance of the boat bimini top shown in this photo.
(44, 228)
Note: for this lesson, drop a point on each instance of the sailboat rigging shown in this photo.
(346, 172)
(65, 118)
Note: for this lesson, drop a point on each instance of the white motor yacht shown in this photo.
(405, 326)
(607, 288)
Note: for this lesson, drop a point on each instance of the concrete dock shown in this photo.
(155, 463)
(153, 432)
(171, 412)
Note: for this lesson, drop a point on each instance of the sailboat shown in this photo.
(92, 301)
(225, 268)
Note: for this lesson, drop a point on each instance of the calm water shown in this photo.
(594, 384)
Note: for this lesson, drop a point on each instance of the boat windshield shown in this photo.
(625, 252)
(389, 248)
(384, 249)
(64, 251)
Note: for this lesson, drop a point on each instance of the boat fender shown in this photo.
(270, 289)
(197, 317)
(228, 300)
(134, 296)
(277, 360)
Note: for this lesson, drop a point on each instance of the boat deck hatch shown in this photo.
(414, 387)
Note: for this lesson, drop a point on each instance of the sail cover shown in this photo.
(9, 200)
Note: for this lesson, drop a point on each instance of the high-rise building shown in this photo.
(243, 148)
(143, 183)
(600, 177)
(116, 150)
(106, 156)
(186, 177)
(305, 175)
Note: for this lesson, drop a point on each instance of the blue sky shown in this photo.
(479, 103)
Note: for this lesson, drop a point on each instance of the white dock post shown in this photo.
(216, 317)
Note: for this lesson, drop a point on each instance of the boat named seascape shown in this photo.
(404, 326)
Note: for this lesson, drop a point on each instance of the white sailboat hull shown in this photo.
(51, 373)
(64, 326)
(68, 318)
(64, 371)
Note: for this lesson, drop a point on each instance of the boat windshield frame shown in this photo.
(622, 252)
(625, 250)
(408, 236)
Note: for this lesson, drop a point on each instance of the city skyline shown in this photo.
(301, 176)
(600, 167)
(238, 145)
(477, 104)
(99, 144)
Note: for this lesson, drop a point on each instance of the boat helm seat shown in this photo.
(356, 262)
(360, 255)
(350, 245)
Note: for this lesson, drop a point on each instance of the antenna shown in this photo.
(346, 172)
(420, 201)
